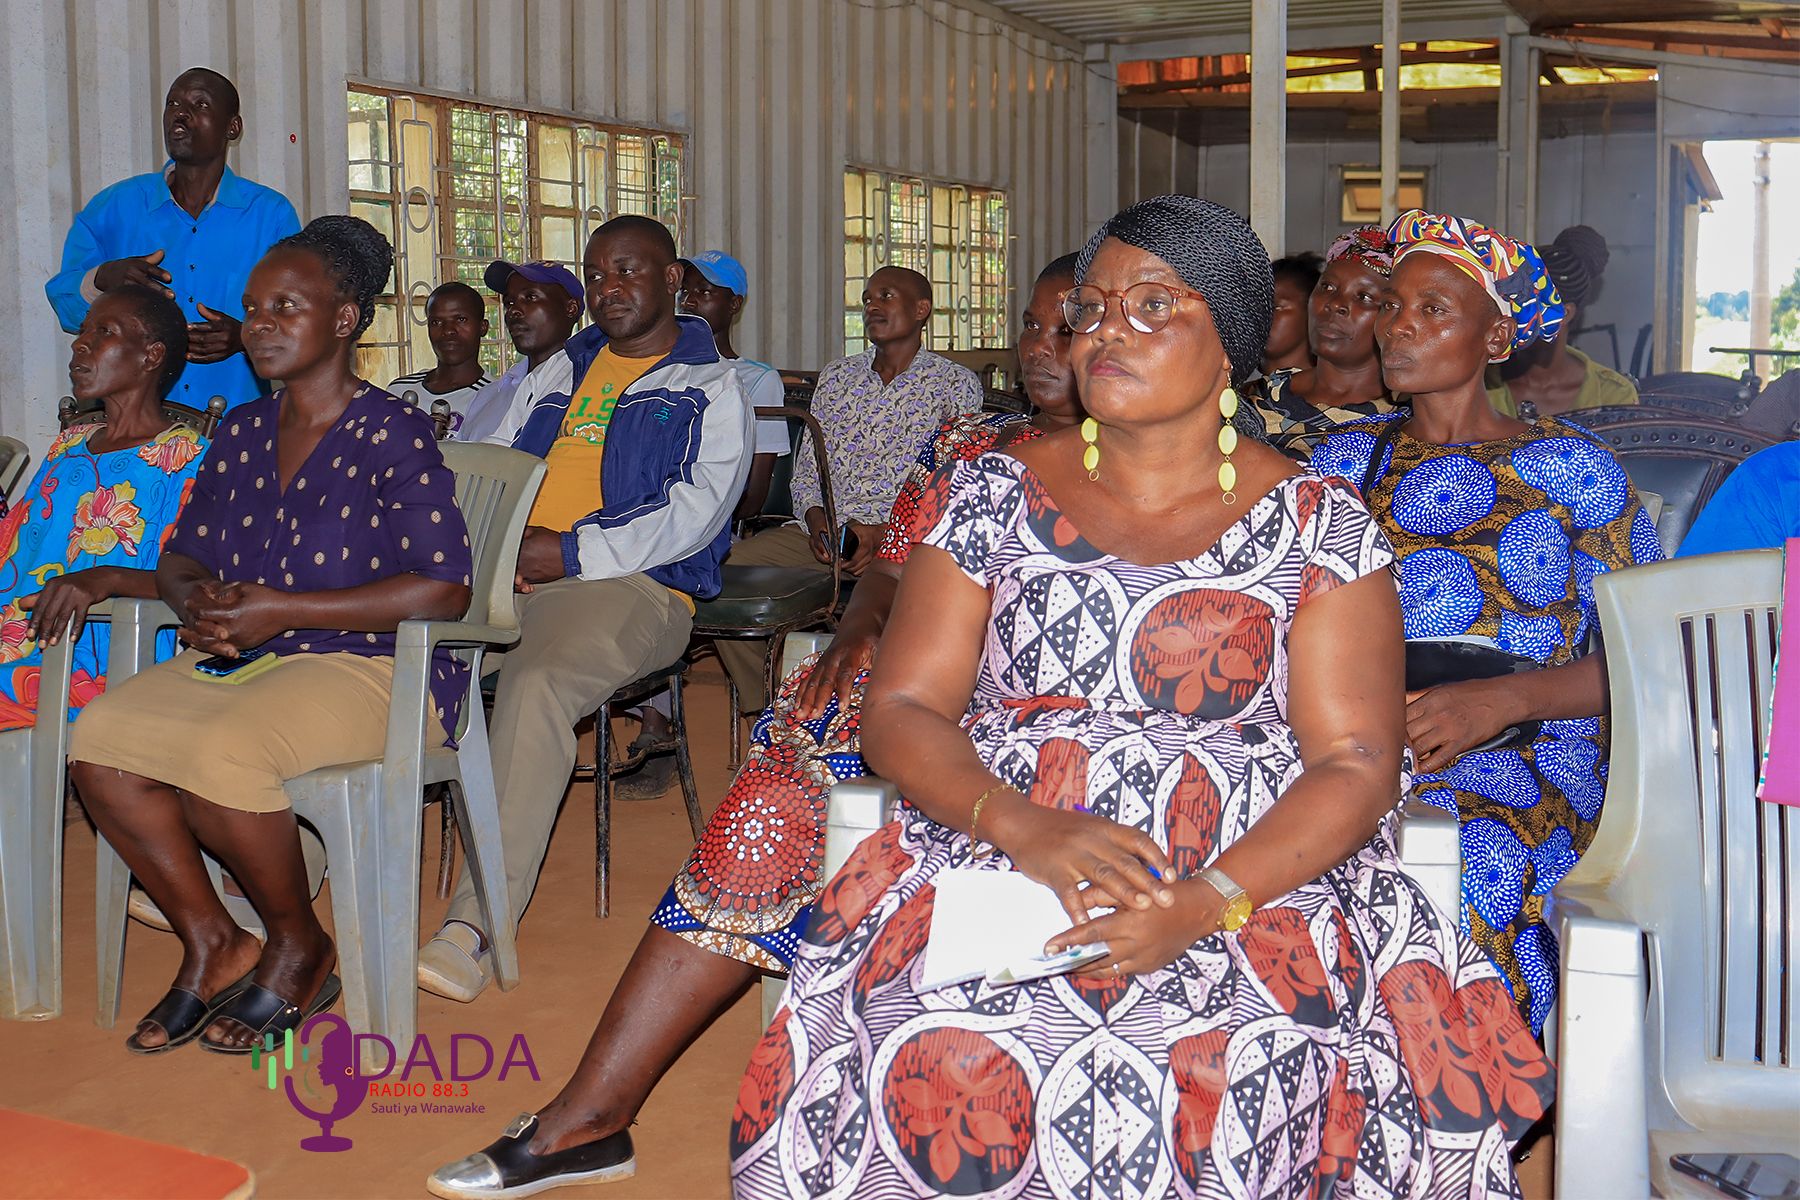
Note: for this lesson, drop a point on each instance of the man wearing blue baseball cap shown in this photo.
(541, 304)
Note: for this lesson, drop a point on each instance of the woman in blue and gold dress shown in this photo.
(1500, 527)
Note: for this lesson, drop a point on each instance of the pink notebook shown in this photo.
(1781, 759)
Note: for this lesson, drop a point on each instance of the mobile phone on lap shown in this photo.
(221, 667)
(1743, 1176)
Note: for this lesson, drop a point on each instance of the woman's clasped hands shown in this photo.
(224, 618)
(1091, 863)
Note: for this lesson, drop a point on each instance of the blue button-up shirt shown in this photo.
(209, 258)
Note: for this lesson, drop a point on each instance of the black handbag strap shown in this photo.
(1373, 471)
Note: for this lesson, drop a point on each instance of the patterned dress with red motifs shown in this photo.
(1347, 1041)
(747, 890)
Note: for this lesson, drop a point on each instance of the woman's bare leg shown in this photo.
(670, 992)
(144, 821)
(262, 852)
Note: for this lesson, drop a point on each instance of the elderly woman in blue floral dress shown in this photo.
(93, 521)
(1501, 527)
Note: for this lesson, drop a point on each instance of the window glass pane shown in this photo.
(369, 152)
(556, 166)
(631, 175)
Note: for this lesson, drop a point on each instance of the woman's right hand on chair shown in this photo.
(64, 602)
(835, 673)
(1064, 850)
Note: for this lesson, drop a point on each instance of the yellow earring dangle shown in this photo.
(1090, 458)
(1228, 440)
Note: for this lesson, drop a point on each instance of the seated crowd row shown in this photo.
(1149, 647)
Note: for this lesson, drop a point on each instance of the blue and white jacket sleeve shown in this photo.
(680, 514)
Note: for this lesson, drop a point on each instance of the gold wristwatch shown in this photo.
(1237, 901)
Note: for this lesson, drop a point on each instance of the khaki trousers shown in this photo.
(744, 658)
(579, 640)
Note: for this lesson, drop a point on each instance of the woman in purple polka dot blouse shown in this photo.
(321, 518)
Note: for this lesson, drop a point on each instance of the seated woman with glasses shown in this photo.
(93, 521)
(1158, 670)
(322, 518)
(1501, 526)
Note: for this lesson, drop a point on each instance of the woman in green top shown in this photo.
(1554, 376)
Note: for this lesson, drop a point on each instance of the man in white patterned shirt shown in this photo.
(877, 409)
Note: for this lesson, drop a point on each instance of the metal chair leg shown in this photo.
(737, 723)
(602, 809)
(684, 765)
(446, 879)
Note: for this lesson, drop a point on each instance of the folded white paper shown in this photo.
(993, 925)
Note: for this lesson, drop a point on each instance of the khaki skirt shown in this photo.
(236, 744)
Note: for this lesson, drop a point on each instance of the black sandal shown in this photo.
(264, 1013)
(182, 1015)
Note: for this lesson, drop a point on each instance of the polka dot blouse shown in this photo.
(373, 500)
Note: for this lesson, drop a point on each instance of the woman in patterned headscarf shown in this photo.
(1551, 375)
(1344, 383)
(1500, 526)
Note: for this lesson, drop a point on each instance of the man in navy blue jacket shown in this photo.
(647, 433)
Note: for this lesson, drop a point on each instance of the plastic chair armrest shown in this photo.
(1602, 1125)
(1430, 852)
(858, 807)
(428, 635)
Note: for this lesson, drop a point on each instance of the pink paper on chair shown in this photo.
(1781, 760)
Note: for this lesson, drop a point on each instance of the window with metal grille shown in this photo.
(455, 184)
(952, 233)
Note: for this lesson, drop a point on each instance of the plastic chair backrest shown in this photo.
(14, 457)
(495, 487)
(1685, 848)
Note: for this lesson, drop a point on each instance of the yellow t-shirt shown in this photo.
(571, 488)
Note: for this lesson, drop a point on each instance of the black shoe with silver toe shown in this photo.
(508, 1168)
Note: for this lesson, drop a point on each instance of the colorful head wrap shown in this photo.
(1368, 245)
(1513, 273)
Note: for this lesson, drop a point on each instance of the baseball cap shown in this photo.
(500, 272)
(721, 269)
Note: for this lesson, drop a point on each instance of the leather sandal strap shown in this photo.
(177, 1012)
(256, 1008)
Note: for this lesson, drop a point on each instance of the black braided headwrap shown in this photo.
(1217, 254)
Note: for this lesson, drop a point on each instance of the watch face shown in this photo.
(1236, 913)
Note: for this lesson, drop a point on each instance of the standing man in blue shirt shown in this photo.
(192, 231)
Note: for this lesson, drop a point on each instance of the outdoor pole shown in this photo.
(1761, 325)
(1268, 123)
(1390, 111)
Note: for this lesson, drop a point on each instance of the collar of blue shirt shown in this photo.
(228, 193)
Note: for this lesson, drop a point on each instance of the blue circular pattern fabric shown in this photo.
(1536, 637)
(1573, 765)
(1534, 558)
(1646, 546)
(1494, 865)
(1579, 474)
(1439, 594)
(1445, 495)
(1517, 569)
(1500, 775)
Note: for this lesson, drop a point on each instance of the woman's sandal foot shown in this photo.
(509, 1169)
(183, 1016)
(266, 1014)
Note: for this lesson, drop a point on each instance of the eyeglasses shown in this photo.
(1147, 306)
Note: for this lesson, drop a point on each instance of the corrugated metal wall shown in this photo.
(775, 98)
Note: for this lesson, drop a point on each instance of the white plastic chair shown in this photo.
(33, 776)
(1680, 1030)
(15, 456)
(369, 813)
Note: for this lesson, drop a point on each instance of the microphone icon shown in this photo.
(337, 1069)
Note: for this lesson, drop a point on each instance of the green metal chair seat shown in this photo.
(764, 597)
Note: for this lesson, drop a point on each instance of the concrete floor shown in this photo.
(569, 961)
(71, 1069)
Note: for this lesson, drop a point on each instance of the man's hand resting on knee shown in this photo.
(540, 558)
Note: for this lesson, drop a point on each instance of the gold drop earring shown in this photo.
(1228, 440)
(1090, 458)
